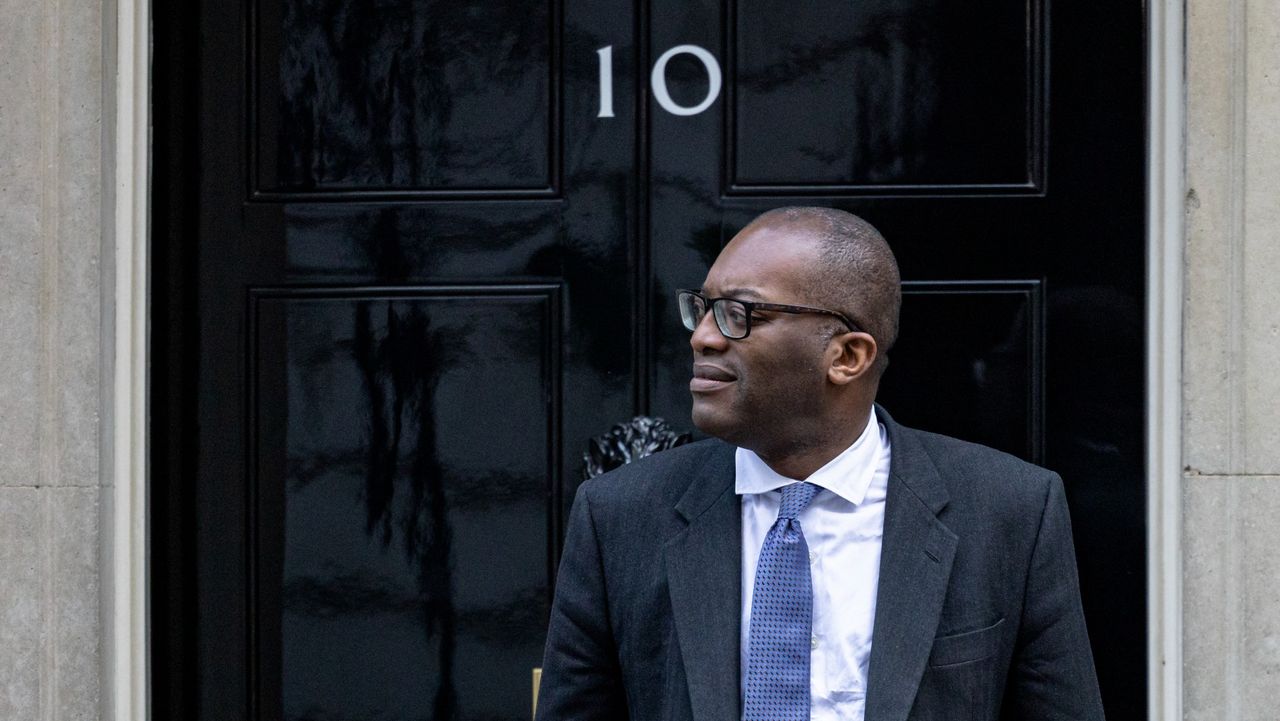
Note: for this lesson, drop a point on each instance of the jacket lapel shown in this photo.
(915, 564)
(704, 579)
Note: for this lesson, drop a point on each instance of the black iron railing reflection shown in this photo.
(401, 370)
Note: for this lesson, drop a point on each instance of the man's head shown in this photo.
(797, 376)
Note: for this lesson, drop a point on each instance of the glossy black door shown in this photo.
(412, 255)
(411, 245)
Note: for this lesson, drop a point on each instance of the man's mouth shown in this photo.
(707, 378)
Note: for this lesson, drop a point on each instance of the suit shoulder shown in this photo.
(974, 468)
(958, 453)
(663, 476)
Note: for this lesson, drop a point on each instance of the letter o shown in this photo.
(658, 80)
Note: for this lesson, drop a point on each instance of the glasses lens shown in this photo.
(692, 308)
(731, 316)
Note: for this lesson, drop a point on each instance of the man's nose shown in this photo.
(707, 336)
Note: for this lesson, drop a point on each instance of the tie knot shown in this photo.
(796, 497)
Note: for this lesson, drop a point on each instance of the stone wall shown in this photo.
(51, 361)
(1231, 362)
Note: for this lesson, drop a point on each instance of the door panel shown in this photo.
(984, 353)
(407, 97)
(415, 253)
(884, 96)
(382, 485)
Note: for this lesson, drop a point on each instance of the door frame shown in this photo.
(1166, 159)
(126, 625)
(126, 174)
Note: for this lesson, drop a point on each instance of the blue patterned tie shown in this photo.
(777, 687)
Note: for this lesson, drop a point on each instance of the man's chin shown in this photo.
(714, 421)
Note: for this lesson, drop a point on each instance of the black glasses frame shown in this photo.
(712, 305)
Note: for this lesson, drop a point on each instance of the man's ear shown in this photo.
(853, 355)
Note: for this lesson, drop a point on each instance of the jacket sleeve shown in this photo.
(1052, 675)
(581, 678)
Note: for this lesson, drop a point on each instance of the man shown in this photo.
(814, 559)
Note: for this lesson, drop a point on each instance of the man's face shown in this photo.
(765, 391)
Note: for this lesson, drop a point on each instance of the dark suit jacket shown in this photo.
(977, 615)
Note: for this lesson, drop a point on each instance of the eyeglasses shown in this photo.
(733, 316)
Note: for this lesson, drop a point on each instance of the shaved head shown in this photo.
(857, 273)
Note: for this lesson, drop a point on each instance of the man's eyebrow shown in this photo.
(742, 293)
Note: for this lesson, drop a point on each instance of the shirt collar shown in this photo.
(848, 475)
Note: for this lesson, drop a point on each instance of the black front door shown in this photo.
(411, 255)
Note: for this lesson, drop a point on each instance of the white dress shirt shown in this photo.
(843, 527)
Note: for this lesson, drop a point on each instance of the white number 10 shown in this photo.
(658, 80)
